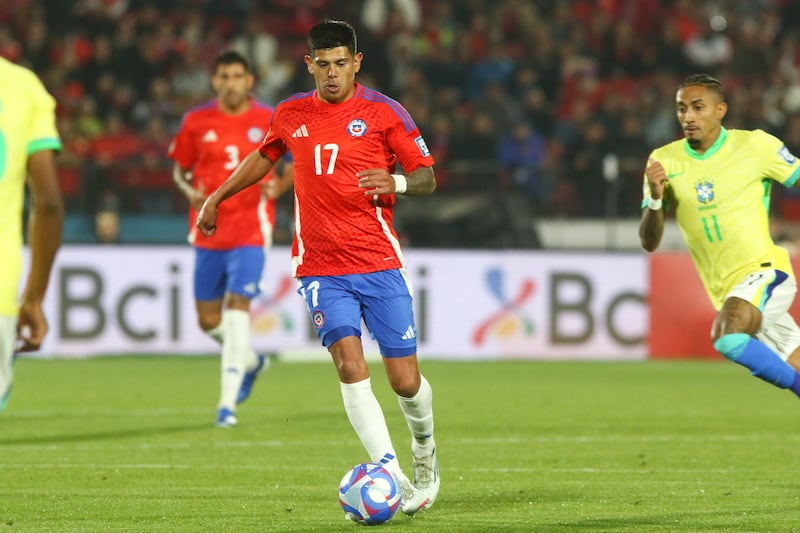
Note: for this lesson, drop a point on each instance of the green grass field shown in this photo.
(128, 444)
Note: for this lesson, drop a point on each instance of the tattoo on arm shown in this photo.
(421, 182)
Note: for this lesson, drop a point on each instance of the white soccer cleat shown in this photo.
(426, 476)
(413, 500)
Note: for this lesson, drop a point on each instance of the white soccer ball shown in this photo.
(369, 493)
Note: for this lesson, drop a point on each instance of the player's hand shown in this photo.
(196, 199)
(31, 327)
(376, 181)
(197, 196)
(656, 178)
(206, 220)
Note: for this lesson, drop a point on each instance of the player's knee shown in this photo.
(208, 322)
(406, 385)
(352, 370)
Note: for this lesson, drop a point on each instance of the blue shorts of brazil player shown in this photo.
(219, 271)
(383, 299)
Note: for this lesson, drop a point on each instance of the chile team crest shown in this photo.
(318, 319)
(705, 192)
(357, 127)
(254, 135)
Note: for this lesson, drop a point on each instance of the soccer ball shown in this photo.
(369, 493)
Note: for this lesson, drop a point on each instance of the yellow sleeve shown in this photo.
(778, 162)
(42, 134)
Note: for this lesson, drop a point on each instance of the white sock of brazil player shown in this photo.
(367, 419)
(235, 354)
(418, 411)
(8, 336)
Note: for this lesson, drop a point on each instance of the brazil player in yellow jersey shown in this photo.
(718, 182)
(28, 143)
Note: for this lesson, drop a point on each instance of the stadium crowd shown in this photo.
(557, 101)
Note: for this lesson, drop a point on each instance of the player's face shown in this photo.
(700, 112)
(232, 83)
(334, 71)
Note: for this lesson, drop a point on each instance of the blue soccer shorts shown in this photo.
(337, 305)
(237, 271)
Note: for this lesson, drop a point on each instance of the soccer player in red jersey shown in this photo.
(211, 142)
(346, 141)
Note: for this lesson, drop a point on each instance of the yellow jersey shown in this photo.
(721, 203)
(27, 125)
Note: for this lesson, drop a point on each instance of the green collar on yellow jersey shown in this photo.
(723, 135)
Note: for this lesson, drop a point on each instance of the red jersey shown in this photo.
(339, 229)
(211, 144)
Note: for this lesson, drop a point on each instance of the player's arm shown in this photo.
(651, 227)
(280, 182)
(252, 168)
(45, 222)
(183, 179)
(420, 182)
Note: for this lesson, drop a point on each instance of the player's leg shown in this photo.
(782, 335)
(794, 359)
(753, 306)
(240, 364)
(209, 290)
(210, 287)
(388, 313)
(8, 339)
(336, 315)
(236, 326)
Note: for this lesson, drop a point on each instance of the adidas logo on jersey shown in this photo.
(302, 131)
(210, 137)
(409, 334)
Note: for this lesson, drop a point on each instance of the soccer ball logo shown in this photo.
(369, 493)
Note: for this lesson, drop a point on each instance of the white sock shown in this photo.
(252, 358)
(8, 337)
(418, 411)
(366, 417)
(235, 352)
(217, 334)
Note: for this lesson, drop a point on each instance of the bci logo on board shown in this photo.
(109, 299)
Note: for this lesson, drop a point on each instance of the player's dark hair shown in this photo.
(231, 57)
(704, 80)
(328, 33)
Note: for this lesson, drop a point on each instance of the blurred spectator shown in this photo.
(588, 77)
(106, 226)
(709, 48)
(190, 81)
(587, 169)
(521, 153)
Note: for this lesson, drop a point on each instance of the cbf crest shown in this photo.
(705, 192)
(357, 127)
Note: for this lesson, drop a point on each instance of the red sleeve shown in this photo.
(405, 140)
(183, 149)
(273, 146)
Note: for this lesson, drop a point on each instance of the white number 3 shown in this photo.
(233, 157)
